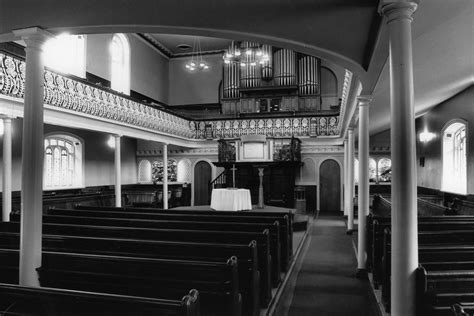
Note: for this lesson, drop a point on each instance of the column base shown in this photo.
(361, 274)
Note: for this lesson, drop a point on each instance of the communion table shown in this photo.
(231, 199)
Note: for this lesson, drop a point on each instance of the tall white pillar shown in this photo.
(7, 169)
(346, 182)
(363, 194)
(350, 171)
(118, 172)
(165, 176)
(404, 259)
(32, 157)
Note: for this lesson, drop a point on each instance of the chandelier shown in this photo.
(247, 54)
(196, 62)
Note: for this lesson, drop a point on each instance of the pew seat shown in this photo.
(33, 301)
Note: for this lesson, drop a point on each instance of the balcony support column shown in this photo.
(32, 157)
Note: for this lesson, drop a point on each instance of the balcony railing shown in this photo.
(86, 99)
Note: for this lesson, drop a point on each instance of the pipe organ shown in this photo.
(286, 81)
(267, 67)
(250, 70)
(231, 81)
(308, 74)
(285, 67)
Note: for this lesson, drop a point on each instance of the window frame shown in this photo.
(77, 174)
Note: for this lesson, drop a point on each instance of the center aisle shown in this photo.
(326, 283)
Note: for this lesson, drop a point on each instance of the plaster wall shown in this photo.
(98, 157)
(148, 68)
(460, 106)
(200, 87)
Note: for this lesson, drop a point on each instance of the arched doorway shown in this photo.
(202, 178)
(330, 186)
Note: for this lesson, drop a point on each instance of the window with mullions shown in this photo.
(455, 158)
(62, 162)
(384, 170)
(157, 171)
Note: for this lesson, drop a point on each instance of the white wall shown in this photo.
(194, 88)
(148, 68)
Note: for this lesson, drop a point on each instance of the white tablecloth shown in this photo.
(231, 200)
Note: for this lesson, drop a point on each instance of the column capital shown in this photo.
(364, 100)
(395, 10)
(350, 130)
(5, 117)
(34, 37)
(117, 135)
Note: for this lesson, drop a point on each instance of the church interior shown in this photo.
(244, 158)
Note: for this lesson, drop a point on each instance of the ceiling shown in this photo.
(169, 43)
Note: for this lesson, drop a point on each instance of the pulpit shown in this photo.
(267, 167)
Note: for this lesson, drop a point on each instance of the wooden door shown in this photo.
(202, 178)
(330, 186)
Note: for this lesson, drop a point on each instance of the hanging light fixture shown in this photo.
(196, 62)
(248, 56)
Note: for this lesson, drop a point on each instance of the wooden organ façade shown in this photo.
(287, 82)
(252, 157)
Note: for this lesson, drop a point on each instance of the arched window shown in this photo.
(157, 171)
(372, 170)
(63, 163)
(384, 170)
(144, 171)
(184, 170)
(454, 158)
(120, 64)
(67, 54)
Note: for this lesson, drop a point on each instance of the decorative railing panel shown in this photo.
(270, 127)
(73, 95)
(79, 97)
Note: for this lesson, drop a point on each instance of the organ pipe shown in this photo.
(250, 74)
(267, 67)
(308, 75)
(285, 67)
(231, 81)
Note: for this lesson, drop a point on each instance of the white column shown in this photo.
(350, 171)
(165, 176)
(346, 183)
(7, 169)
(32, 157)
(404, 198)
(363, 208)
(118, 172)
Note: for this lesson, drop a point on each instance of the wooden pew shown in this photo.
(217, 283)
(437, 250)
(438, 289)
(274, 230)
(33, 301)
(249, 276)
(262, 238)
(431, 223)
(283, 226)
(285, 219)
(463, 207)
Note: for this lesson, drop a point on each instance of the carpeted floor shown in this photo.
(326, 284)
